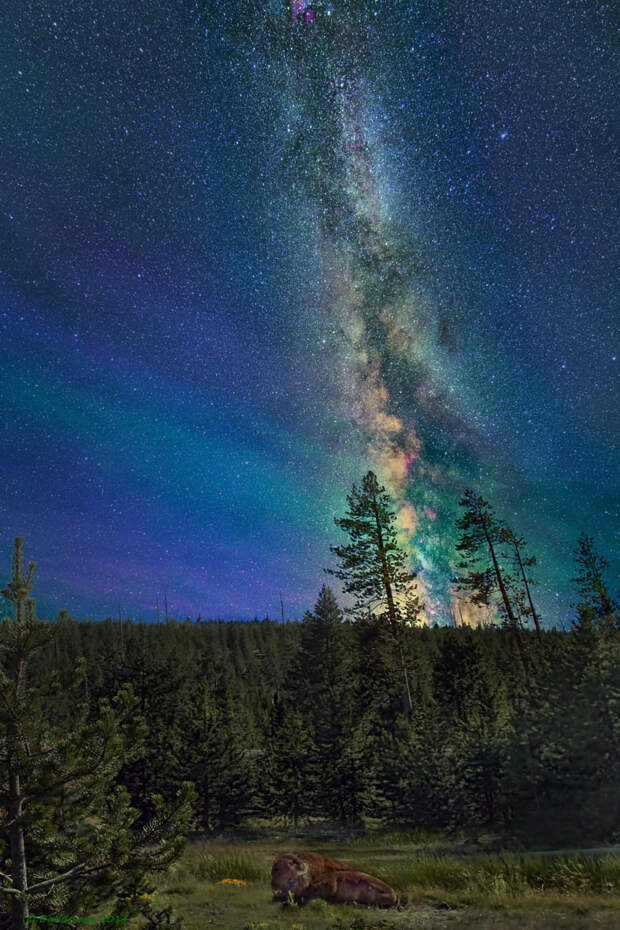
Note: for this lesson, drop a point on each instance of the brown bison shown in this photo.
(352, 885)
(313, 875)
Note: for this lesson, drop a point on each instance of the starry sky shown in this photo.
(249, 253)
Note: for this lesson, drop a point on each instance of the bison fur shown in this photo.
(314, 875)
(353, 886)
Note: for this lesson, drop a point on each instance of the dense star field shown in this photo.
(250, 251)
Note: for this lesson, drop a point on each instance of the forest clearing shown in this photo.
(226, 886)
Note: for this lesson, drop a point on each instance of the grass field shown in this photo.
(226, 886)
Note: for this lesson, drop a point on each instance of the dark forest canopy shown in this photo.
(247, 711)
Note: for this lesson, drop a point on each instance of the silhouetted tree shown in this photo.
(481, 572)
(522, 562)
(595, 605)
(372, 565)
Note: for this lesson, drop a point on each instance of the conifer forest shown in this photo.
(119, 736)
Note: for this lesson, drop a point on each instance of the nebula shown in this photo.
(391, 386)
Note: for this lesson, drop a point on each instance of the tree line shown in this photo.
(117, 737)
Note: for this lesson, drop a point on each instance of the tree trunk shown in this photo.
(507, 606)
(19, 877)
(19, 903)
(391, 607)
(498, 574)
(527, 590)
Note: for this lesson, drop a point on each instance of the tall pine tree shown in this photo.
(595, 606)
(372, 565)
(482, 570)
(522, 561)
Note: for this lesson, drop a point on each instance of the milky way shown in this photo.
(249, 255)
(374, 288)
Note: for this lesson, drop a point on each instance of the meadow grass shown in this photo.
(396, 838)
(225, 863)
(488, 892)
(504, 874)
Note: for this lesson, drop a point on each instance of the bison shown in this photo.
(313, 875)
(358, 887)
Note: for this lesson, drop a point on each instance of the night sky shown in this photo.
(246, 259)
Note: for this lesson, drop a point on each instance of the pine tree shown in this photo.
(373, 564)
(156, 680)
(291, 771)
(596, 738)
(595, 606)
(415, 778)
(471, 699)
(320, 684)
(483, 572)
(591, 703)
(209, 753)
(68, 833)
(522, 562)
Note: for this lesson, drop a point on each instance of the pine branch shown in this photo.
(8, 878)
(75, 872)
(78, 772)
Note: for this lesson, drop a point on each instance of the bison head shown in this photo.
(289, 874)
